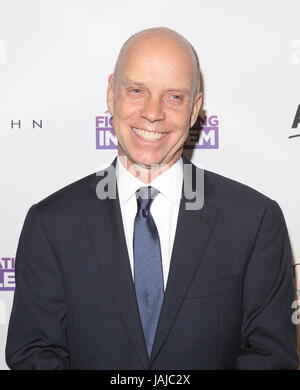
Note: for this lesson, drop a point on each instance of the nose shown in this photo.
(152, 109)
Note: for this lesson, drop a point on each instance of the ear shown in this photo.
(109, 94)
(196, 108)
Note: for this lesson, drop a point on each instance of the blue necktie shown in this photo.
(148, 274)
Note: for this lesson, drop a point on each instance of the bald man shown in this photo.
(153, 263)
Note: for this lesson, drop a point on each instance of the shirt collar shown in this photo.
(169, 183)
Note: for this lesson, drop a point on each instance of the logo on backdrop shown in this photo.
(18, 124)
(203, 135)
(296, 122)
(7, 274)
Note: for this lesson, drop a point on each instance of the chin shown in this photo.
(147, 162)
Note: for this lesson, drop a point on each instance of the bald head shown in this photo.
(155, 40)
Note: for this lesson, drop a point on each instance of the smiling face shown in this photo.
(152, 99)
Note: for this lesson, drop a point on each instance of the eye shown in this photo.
(176, 97)
(135, 91)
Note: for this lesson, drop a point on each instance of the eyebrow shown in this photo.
(140, 84)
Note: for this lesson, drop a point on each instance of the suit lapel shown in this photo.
(193, 232)
(104, 224)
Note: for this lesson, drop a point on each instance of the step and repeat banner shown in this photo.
(55, 59)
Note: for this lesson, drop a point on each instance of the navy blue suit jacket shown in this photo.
(227, 303)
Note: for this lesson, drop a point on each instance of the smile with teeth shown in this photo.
(148, 135)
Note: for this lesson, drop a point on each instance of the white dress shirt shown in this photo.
(164, 208)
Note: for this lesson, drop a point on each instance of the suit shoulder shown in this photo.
(67, 196)
(230, 189)
(75, 190)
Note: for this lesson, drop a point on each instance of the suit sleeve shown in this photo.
(36, 338)
(268, 339)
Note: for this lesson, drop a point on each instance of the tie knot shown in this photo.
(144, 197)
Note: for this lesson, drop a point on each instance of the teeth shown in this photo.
(147, 135)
